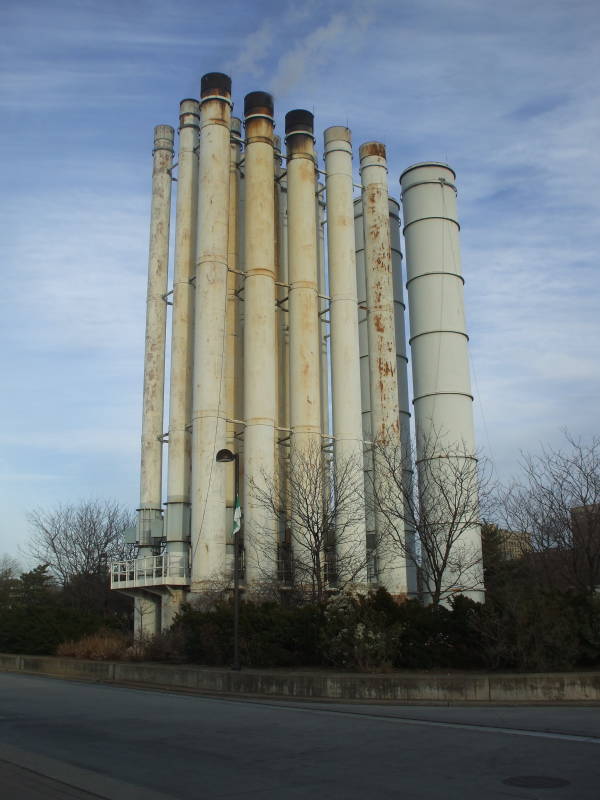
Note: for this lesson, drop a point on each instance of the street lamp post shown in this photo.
(223, 457)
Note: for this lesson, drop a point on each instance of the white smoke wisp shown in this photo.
(298, 55)
(309, 53)
(257, 47)
(321, 45)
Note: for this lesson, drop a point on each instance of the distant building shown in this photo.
(585, 525)
(585, 530)
(513, 544)
(500, 544)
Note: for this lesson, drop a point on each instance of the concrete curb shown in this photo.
(509, 689)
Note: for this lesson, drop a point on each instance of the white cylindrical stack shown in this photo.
(345, 356)
(232, 333)
(409, 557)
(260, 355)
(282, 291)
(177, 518)
(443, 401)
(294, 360)
(239, 334)
(399, 326)
(180, 402)
(305, 393)
(282, 438)
(380, 293)
(156, 325)
(365, 391)
(363, 336)
(323, 307)
(208, 536)
(283, 338)
(303, 304)
(150, 510)
(381, 331)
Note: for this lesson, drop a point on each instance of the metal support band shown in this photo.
(259, 116)
(211, 260)
(423, 219)
(438, 272)
(436, 394)
(264, 139)
(306, 156)
(302, 132)
(227, 100)
(464, 456)
(346, 149)
(439, 181)
(215, 122)
(437, 330)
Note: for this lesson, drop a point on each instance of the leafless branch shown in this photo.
(319, 506)
(434, 521)
(557, 501)
(78, 539)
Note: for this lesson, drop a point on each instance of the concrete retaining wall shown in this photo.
(455, 688)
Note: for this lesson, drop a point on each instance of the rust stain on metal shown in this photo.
(373, 149)
(385, 367)
(215, 89)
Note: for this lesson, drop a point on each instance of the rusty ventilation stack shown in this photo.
(285, 343)
(260, 353)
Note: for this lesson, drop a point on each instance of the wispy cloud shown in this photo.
(503, 91)
(304, 62)
(256, 51)
(300, 63)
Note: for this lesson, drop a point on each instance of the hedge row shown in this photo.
(538, 632)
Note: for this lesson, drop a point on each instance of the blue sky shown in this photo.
(504, 92)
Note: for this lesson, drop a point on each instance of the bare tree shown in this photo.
(434, 521)
(557, 502)
(10, 569)
(79, 539)
(318, 511)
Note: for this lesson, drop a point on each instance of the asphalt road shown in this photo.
(62, 739)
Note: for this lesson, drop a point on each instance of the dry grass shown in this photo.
(101, 646)
(108, 645)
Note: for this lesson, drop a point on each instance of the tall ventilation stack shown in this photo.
(345, 352)
(323, 307)
(232, 332)
(260, 313)
(402, 377)
(283, 339)
(208, 535)
(177, 523)
(150, 523)
(303, 303)
(260, 357)
(443, 401)
(385, 409)
(239, 329)
(282, 438)
(401, 370)
(365, 389)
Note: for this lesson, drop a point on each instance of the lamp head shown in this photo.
(224, 456)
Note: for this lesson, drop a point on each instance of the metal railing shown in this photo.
(372, 567)
(167, 569)
(285, 563)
